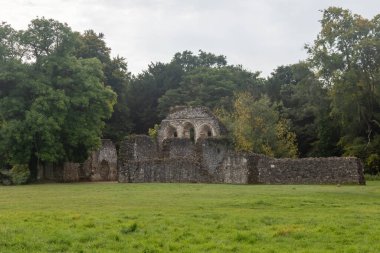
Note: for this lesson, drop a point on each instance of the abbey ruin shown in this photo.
(192, 147)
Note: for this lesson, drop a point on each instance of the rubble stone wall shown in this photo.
(100, 166)
(332, 170)
(212, 160)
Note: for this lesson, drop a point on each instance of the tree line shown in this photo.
(61, 92)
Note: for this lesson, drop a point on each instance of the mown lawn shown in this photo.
(111, 217)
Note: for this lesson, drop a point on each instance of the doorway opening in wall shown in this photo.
(189, 131)
(192, 135)
(170, 132)
(104, 171)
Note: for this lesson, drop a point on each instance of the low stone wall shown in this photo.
(211, 160)
(67, 172)
(332, 170)
(70, 172)
(50, 172)
(100, 166)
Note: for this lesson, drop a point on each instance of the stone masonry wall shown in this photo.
(174, 148)
(70, 172)
(101, 165)
(137, 164)
(332, 170)
(211, 160)
(208, 161)
(180, 170)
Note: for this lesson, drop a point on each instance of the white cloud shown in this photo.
(260, 34)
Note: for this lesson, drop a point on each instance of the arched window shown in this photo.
(205, 131)
(189, 131)
(170, 132)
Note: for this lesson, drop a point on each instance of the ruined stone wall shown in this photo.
(70, 172)
(138, 147)
(176, 163)
(101, 165)
(181, 119)
(50, 172)
(332, 170)
(208, 161)
(178, 148)
(66, 172)
(212, 160)
(169, 170)
(226, 165)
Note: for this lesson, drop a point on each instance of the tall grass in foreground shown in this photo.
(111, 217)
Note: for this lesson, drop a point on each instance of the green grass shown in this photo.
(111, 217)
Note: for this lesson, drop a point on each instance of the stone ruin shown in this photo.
(100, 166)
(192, 147)
(190, 123)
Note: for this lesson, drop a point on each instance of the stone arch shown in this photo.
(170, 132)
(189, 131)
(206, 131)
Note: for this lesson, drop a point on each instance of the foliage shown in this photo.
(52, 108)
(305, 103)
(204, 79)
(256, 126)
(153, 132)
(189, 218)
(211, 87)
(144, 91)
(372, 177)
(346, 55)
(116, 75)
(19, 174)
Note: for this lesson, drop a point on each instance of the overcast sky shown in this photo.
(258, 34)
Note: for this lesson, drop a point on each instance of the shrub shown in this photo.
(19, 173)
(370, 177)
(373, 163)
(153, 132)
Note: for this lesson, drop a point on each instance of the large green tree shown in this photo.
(305, 102)
(211, 86)
(346, 55)
(52, 104)
(151, 93)
(116, 75)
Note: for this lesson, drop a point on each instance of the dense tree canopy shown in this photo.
(52, 104)
(203, 79)
(346, 55)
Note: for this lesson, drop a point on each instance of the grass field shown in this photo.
(111, 217)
